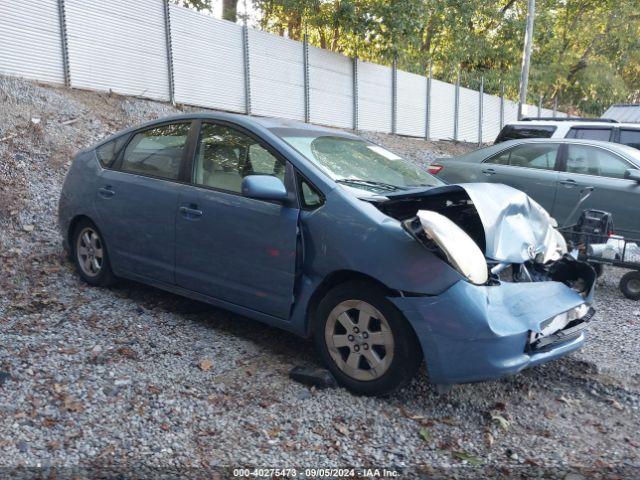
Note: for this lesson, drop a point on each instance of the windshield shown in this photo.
(361, 164)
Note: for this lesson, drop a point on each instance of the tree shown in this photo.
(586, 53)
(230, 10)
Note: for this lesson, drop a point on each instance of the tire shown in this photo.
(599, 268)
(375, 358)
(630, 285)
(90, 255)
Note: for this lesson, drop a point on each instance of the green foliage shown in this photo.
(198, 5)
(586, 52)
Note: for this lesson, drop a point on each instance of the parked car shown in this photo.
(554, 172)
(602, 129)
(326, 235)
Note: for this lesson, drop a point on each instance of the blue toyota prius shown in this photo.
(329, 236)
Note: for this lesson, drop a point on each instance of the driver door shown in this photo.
(529, 167)
(233, 248)
(593, 166)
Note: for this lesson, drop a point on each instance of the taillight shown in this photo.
(434, 168)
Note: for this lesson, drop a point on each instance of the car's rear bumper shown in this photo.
(471, 333)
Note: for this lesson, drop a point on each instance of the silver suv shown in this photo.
(602, 129)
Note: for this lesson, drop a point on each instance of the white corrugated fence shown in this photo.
(166, 52)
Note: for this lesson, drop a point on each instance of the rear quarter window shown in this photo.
(602, 134)
(107, 152)
(516, 132)
(630, 137)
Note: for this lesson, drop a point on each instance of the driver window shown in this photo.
(595, 161)
(225, 156)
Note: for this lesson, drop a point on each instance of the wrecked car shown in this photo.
(326, 235)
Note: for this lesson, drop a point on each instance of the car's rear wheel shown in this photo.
(364, 340)
(90, 254)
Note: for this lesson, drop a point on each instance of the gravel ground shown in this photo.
(135, 379)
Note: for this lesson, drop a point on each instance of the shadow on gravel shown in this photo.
(274, 341)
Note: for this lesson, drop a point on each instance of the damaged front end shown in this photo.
(525, 299)
(490, 233)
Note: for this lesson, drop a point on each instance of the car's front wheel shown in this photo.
(364, 340)
(90, 254)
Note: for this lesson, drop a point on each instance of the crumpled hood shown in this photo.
(516, 227)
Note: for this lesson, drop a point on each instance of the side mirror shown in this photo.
(264, 187)
(632, 174)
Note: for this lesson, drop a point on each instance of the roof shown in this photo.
(575, 123)
(624, 112)
(278, 126)
(482, 153)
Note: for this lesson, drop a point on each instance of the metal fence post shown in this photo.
(394, 95)
(64, 40)
(427, 124)
(501, 106)
(540, 107)
(480, 109)
(307, 95)
(169, 47)
(555, 106)
(247, 69)
(456, 108)
(355, 93)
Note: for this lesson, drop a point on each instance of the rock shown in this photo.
(573, 476)
(313, 377)
(304, 395)
(4, 376)
(205, 364)
(22, 446)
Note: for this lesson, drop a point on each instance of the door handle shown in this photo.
(190, 212)
(106, 192)
(489, 171)
(569, 183)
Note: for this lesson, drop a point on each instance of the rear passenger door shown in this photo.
(529, 167)
(137, 199)
(591, 166)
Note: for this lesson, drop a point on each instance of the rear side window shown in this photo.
(539, 155)
(630, 137)
(602, 134)
(157, 152)
(516, 132)
(107, 152)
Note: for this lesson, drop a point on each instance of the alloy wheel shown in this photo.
(359, 340)
(90, 252)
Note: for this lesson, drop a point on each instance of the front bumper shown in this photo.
(471, 333)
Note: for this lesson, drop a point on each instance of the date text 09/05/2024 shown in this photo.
(316, 472)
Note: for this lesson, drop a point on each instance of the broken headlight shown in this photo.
(460, 250)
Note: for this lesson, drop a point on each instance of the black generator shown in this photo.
(593, 226)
